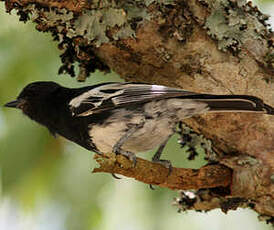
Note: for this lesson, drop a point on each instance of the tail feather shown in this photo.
(234, 103)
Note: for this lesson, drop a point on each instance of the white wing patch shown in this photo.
(120, 87)
(96, 93)
(158, 87)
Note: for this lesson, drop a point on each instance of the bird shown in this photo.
(125, 118)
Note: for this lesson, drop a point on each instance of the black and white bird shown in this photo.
(124, 118)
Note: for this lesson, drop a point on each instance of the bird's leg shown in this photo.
(157, 155)
(156, 159)
(117, 147)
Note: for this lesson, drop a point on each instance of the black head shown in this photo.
(34, 94)
(47, 104)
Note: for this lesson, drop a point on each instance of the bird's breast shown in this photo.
(151, 134)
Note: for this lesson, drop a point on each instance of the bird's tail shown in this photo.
(234, 103)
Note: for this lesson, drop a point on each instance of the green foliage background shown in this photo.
(46, 183)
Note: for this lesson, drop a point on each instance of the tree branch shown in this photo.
(209, 176)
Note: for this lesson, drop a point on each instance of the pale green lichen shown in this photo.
(164, 2)
(234, 23)
(196, 142)
(49, 17)
(93, 24)
(124, 32)
(105, 21)
(135, 11)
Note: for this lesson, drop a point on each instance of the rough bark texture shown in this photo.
(221, 47)
(210, 176)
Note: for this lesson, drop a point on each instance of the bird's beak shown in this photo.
(13, 104)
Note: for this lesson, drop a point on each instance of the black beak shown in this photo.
(13, 104)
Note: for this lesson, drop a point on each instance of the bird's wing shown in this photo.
(113, 95)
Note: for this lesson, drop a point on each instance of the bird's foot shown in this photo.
(166, 163)
(131, 156)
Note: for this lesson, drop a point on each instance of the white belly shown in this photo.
(151, 135)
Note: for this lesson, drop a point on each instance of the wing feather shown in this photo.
(113, 95)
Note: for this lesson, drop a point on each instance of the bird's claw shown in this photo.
(116, 177)
(151, 187)
(131, 156)
(166, 163)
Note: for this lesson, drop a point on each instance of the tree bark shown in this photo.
(210, 176)
(220, 47)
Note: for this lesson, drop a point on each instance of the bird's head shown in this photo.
(34, 96)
